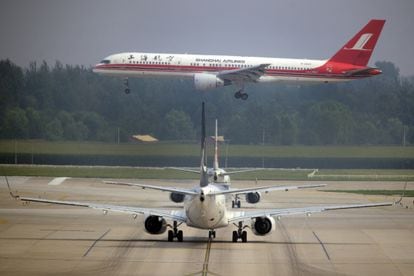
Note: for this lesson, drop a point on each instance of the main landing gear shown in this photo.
(175, 233)
(126, 85)
(241, 95)
(236, 202)
(240, 233)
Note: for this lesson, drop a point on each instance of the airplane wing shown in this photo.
(242, 171)
(178, 215)
(266, 189)
(250, 74)
(247, 215)
(159, 188)
(184, 170)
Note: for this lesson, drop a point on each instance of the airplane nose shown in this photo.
(95, 69)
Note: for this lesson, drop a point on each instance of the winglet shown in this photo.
(402, 195)
(10, 191)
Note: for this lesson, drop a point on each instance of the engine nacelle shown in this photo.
(253, 197)
(262, 226)
(204, 81)
(155, 225)
(177, 198)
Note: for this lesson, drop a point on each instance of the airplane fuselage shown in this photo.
(206, 211)
(136, 64)
(213, 71)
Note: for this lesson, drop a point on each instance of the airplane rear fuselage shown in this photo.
(206, 211)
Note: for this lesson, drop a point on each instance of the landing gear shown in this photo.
(126, 85)
(236, 202)
(240, 234)
(211, 234)
(175, 233)
(241, 95)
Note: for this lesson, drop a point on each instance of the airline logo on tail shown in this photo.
(359, 45)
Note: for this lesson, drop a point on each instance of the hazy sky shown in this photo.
(85, 31)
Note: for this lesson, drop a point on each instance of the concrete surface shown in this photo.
(43, 239)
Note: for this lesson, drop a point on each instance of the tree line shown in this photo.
(65, 102)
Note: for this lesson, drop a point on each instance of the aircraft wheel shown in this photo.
(232, 204)
(244, 96)
(127, 90)
(238, 204)
(235, 236)
(170, 235)
(244, 236)
(237, 95)
(180, 236)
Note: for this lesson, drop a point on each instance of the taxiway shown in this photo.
(42, 239)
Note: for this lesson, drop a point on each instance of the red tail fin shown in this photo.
(358, 50)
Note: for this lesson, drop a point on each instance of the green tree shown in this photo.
(178, 126)
(15, 124)
(54, 130)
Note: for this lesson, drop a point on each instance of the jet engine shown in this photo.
(204, 81)
(253, 197)
(176, 197)
(155, 225)
(263, 225)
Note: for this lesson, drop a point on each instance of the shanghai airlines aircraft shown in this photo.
(205, 206)
(210, 71)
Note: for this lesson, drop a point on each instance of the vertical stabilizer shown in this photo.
(203, 165)
(358, 50)
(216, 163)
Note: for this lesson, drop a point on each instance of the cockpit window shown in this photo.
(105, 61)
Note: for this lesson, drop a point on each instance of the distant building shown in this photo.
(219, 138)
(145, 138)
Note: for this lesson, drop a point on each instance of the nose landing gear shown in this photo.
(126, 86)
(211, 234)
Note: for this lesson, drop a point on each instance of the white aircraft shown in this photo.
(205, 207)
(222, 177)
(211, 71)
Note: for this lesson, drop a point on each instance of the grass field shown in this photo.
(189, 149)
(166, 173)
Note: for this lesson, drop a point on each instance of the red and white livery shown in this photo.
(211, 71)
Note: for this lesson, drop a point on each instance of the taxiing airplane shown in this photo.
(221, 176)
(205, 207)
(211, 71)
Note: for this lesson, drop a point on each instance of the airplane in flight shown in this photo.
(205, 207)
(212, 71)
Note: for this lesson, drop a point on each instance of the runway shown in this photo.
(44, 239)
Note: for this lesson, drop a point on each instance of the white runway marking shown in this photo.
(57, 181)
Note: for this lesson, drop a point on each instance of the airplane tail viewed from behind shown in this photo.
(203, 166)
(359, 49)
